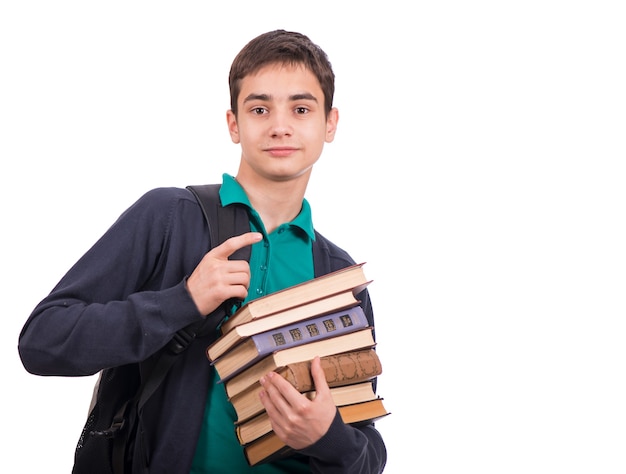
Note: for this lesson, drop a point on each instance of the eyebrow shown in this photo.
(267, 97)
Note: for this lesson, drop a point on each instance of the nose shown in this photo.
(280, 125)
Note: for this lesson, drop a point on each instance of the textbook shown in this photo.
(360, 339)
(253, 428)
(348, 278)
(270, 448)
(304, 332)
(345, 299)
(346, 368)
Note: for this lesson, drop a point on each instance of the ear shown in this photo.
(233, 129)
(331, 124)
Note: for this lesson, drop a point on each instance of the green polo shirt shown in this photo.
(282, 259)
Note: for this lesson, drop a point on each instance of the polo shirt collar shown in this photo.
(231, 192)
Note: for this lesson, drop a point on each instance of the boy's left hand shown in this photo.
(298, 421)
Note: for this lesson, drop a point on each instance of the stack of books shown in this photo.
(284, 332)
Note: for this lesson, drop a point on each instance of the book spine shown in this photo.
(339, 369)
(312, 329)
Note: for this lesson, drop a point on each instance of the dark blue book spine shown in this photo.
(309, 330)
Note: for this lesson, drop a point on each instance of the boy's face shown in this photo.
(281, 125)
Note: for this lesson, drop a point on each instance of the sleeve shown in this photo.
(121, 301)
(345, 449)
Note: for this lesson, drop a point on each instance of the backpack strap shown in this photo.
(231, 221)
(228, 221)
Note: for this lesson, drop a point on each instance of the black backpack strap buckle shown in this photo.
(181, 340)
(117, 425)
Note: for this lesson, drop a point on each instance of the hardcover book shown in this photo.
(360, 339)
(340, 370)
(239, 333)
(253, 428)
(270, 448)
(304, 332)
(349, 278)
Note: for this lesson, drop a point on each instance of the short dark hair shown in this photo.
(282, 47)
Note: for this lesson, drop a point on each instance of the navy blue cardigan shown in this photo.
(124, 300)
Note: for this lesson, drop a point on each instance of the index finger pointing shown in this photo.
(230, 246)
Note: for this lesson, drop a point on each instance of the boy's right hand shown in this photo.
(217, 279)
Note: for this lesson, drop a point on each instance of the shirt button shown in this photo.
(263, 267)
(259, 291)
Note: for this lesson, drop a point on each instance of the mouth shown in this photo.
(281, 151)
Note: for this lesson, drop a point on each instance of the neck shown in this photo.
(276, 202)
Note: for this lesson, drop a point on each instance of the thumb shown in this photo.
(319, 378)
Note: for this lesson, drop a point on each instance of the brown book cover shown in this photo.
(270, 448)
(349, 278)
(360, 339)
(340, 369)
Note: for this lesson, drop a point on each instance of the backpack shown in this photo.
(113, 427)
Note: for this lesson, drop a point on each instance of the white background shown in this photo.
(478, 169)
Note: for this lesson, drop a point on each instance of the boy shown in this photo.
(150, 275)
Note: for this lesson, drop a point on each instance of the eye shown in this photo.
(301, 110)
(259, 110)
